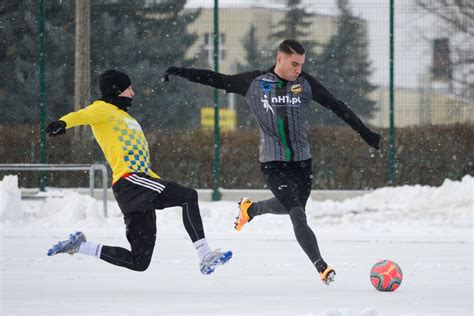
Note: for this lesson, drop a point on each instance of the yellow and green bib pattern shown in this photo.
(134, 144)
(119, 136)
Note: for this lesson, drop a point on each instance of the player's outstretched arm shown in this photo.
(93, 114)
(203, 76)
(324, 97)
(238, 83)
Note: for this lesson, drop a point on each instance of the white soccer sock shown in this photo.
(202, 248)
(90, 249)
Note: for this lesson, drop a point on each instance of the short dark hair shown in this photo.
(290, 47)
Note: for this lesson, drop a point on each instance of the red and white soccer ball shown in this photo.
(386, 276)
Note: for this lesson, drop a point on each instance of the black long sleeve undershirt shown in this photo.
(238, 83)
(324, 97)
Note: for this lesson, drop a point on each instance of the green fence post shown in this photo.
(42, 86)
(216, 195)
(391, 160)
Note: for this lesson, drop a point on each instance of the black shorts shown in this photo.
(140, 192)
(289, 181)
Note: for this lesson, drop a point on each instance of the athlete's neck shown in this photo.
(122, 103)
(277, 72)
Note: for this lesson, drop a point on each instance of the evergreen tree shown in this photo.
(143, 38)
(294, 25)
(344, 67)
(140, 37)
(256, 55)
(19, 59)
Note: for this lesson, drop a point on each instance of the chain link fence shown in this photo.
(347, 42)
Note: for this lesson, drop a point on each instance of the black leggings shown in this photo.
(141, 234)
(138, 201)
(290, 183)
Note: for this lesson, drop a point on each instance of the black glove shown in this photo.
(56, 128)
(373, 139)
(172, 70)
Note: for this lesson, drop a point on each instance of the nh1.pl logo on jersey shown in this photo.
(286, 99)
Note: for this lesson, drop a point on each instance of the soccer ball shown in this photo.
(386, 276)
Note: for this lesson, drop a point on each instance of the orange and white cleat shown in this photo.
(328, 275)
(243, 216)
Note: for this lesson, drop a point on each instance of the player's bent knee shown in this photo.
(141, 265)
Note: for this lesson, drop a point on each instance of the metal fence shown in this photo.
(348, 46)
(68, 167)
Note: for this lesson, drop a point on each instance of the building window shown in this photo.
(209, 47)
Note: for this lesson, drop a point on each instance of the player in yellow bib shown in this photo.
(138, 190)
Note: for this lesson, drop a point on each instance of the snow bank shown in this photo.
(385, 209)
(52, 209)
(10, 199)
(451, 204)
(73, 208)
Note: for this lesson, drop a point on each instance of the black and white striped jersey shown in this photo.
(280, 107)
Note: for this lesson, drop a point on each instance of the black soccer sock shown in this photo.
(270, 206)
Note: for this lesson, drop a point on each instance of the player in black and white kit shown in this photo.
(280, 98)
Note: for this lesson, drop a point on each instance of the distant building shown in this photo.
(420, 107)
(434, 102)
(234, 24)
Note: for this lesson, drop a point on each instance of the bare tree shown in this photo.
(457, 23)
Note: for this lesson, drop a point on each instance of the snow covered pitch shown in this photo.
(428, 231)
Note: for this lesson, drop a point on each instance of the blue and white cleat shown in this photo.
(213, 259)
(70, 246)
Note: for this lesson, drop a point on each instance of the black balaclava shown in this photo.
(112, 83)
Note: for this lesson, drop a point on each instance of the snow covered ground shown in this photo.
(428, 231)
